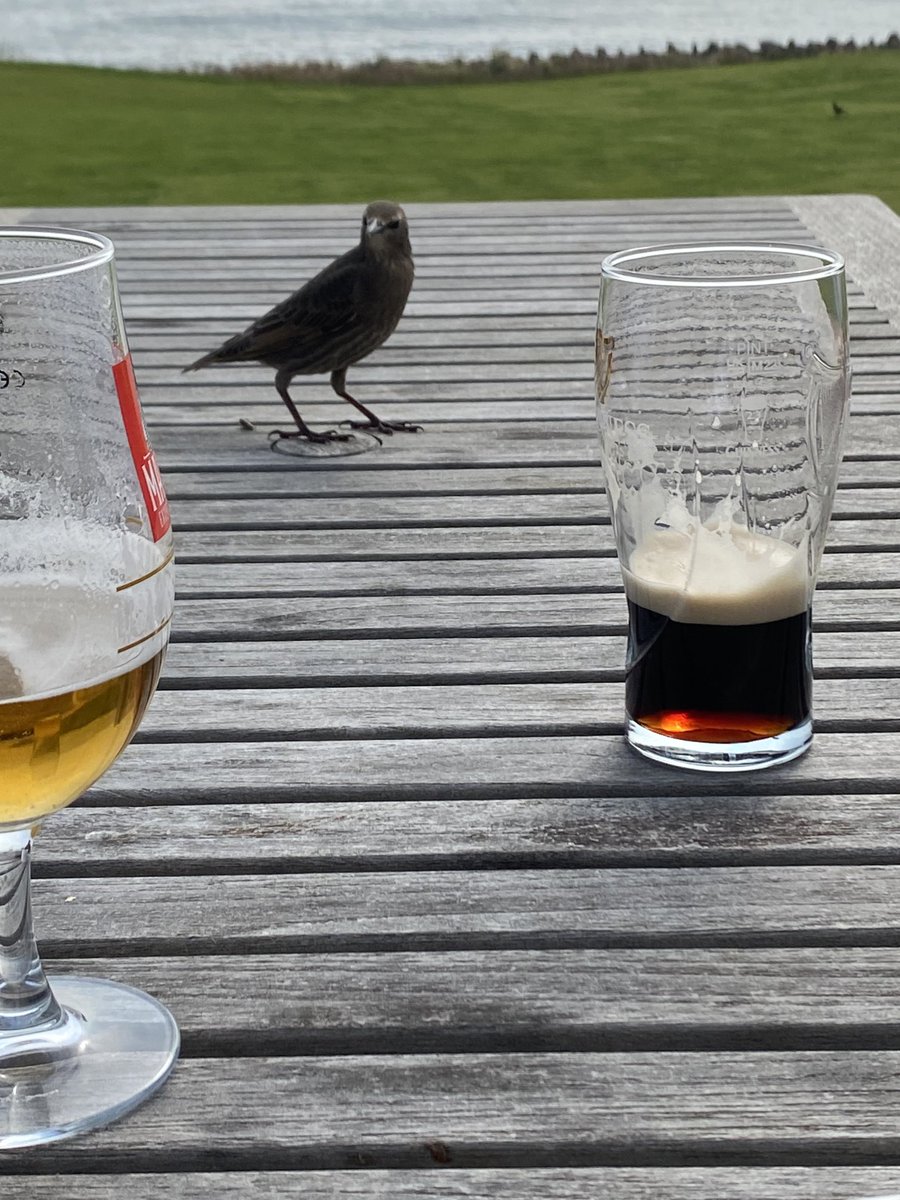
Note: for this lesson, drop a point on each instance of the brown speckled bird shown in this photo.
(339, 317)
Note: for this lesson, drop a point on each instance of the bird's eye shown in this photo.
(395, 224)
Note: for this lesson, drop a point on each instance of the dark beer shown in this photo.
(717, 683)
(719, 635)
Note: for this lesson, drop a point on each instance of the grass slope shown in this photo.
(74, 135)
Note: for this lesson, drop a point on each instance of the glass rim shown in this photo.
(613, 265)
(102, 253)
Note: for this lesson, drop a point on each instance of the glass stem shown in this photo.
(26, 1001)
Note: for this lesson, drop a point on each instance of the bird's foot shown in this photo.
(310, 435)
(388, 428)
(330, 443)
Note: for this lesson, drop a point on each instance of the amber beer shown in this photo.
(53, 748)
(80, 655)
(719, 637)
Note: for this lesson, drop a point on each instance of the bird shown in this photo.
(837, 109)
(334, 320)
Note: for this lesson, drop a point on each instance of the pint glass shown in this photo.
(722, 376)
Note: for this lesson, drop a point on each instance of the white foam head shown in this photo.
(720, 576)
(78, 603)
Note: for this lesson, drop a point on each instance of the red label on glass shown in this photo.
(144, 459)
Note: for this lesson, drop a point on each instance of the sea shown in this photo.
(163, 34)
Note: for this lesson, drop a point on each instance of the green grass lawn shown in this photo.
(74, 135)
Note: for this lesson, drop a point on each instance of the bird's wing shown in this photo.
(324, 308)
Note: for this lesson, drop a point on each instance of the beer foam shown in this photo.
(78, 604)
(10, 679)
(718, 576)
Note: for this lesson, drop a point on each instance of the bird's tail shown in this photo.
(204, 361)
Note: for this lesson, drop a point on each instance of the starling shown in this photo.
(837, 109)
(336, 319)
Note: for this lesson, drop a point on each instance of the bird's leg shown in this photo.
(302, 430)
(372, 423)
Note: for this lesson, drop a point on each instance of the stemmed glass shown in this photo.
(86, 595)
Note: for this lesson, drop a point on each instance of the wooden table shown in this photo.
(429, 929)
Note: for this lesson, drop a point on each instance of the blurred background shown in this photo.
(292, 101)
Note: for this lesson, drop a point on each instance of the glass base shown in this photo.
(720, 756)
(113, 1049)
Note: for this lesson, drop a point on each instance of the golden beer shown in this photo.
(82, 639)
(53, 748)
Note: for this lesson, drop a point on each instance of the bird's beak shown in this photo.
(374, 226)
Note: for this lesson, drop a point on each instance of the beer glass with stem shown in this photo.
(86, 598)
(722, 374)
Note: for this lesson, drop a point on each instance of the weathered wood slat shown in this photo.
(503, 1110)
(773, 905)
(157, 221)
(159, 215)
(286, 260)
(420, 367)
(269, 413)
(245, 383)
(535, 1183)
(541, 508)
(571, 292)
(876, 435)
(165, 365)
(399, 660)
(249, 384)
(395, 363)
(306, 248)
(264, 280)
(167, 238)
(539, 230)
(255, 282)
(642, 999)
(368, 479)
(478, 577)
(496, 443)
(565, 238)
(877, 397)
(285, 480)
(573, 295)
(453, 362)
(270, 714)
(250, 226)
(462, 304)
(500, 444)
(554, 908)
(466, 768)
(489, 541)
(292, 260)
(392, 661)
(364, 617)
(406, 835)
(454, 543)
(344, 220)
(150, 342)
(554, 328)
(378, 616)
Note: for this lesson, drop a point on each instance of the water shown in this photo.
(171, 33)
